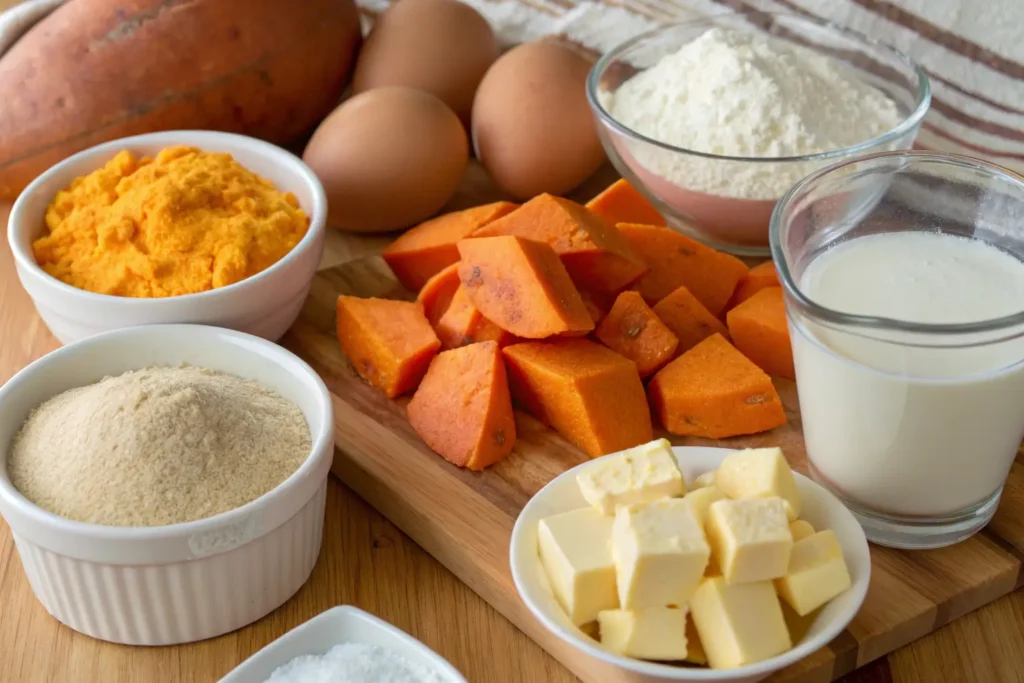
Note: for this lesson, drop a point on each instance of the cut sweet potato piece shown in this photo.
(590, 394)
(760, 276)
(632, 330)
(689, 321)
(463, 409)
(677, 261)
(436, 295)
(522, 287)
(622, 203)
(463, 324)
(389, 343)
(596, 255)
(428, 248)
(758, 329)
(598, 304)
(714, 391)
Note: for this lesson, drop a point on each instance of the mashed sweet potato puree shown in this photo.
(185, 221)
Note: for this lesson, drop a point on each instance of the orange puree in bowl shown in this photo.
(183, 222)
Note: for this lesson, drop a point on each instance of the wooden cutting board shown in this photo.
(465, 519)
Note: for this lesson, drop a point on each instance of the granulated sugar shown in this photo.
(354, 663)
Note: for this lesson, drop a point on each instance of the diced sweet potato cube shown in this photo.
(463, 409)
(436, 295)
(677, 261)
(428, 248)
(590, 394)
(597, 305)
(522, 287)
(758, 329)
(622, 203)
(596, 255)
(463, 324)
(714, 391)
(389, 343)
(632, 330)
(689, 321)
(760, 276)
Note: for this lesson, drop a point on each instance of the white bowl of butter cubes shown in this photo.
(690, 564)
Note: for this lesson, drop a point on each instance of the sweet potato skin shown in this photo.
(620, 202)
(436, 295)
(389, 343)
(426, 249)
(98, 70)
(759, 330)
(632, 330)
(521, 286)
(463, 409)
(760, 276)
(689, 321)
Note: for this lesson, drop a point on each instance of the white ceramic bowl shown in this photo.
(338, 625)
(181, 582)
(820, 508)
(265, 304)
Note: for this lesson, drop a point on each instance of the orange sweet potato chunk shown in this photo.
(436, 295)
(522, 287)
(759, 277)
(597, 305)
(758, 329)
(677, 261)
(463, 324)
(689, 321)
(714, 391)
(428, 248)
(632, 330)
(596, 255)
(389, 343)
(622, 203)
(590, 394)
(463, 409)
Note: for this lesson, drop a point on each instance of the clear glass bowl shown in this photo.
(732, 223)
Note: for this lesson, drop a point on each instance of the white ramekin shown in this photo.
(182, 582)
(265, 304)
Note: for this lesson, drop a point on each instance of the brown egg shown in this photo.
(443, 47)
(532, 127)
(388, 158)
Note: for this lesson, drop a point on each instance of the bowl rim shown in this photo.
(907, 124)
(17, 224)
(666, 671)
(319, 451)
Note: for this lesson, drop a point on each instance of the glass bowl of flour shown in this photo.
(714, 120)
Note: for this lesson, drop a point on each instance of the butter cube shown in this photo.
(636, 475)
(750, 539)
(694, 650)
(660, 553)
(657, 633)
(739, 624)
(701, 499)
(817, 573)
(801, 529)
(575, 550)
(759, 473)
(706, 479)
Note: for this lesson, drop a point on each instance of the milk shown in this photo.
(906, 430)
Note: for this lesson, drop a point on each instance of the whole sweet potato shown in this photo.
(96, 70)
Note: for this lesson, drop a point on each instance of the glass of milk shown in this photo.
(903, 274)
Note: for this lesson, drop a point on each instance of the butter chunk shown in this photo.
(750, 539)
(575, 550)
(701, 499)
(660, 553)
(739, 624)
(657, 633)
(759, 473)
(817, 573)
(706, 479)
(636, 475)
(801, 529)
(694, 650)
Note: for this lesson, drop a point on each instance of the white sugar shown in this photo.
(354, 663)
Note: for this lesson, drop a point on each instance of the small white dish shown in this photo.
(820, 508)
(265, 304)
(338, 625)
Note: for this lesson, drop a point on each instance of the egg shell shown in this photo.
(388, 158)
(443, 47)
(532, 127)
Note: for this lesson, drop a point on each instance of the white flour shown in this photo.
(354, 663)
(740, 94)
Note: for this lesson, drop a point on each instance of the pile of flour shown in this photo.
(741, 94)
